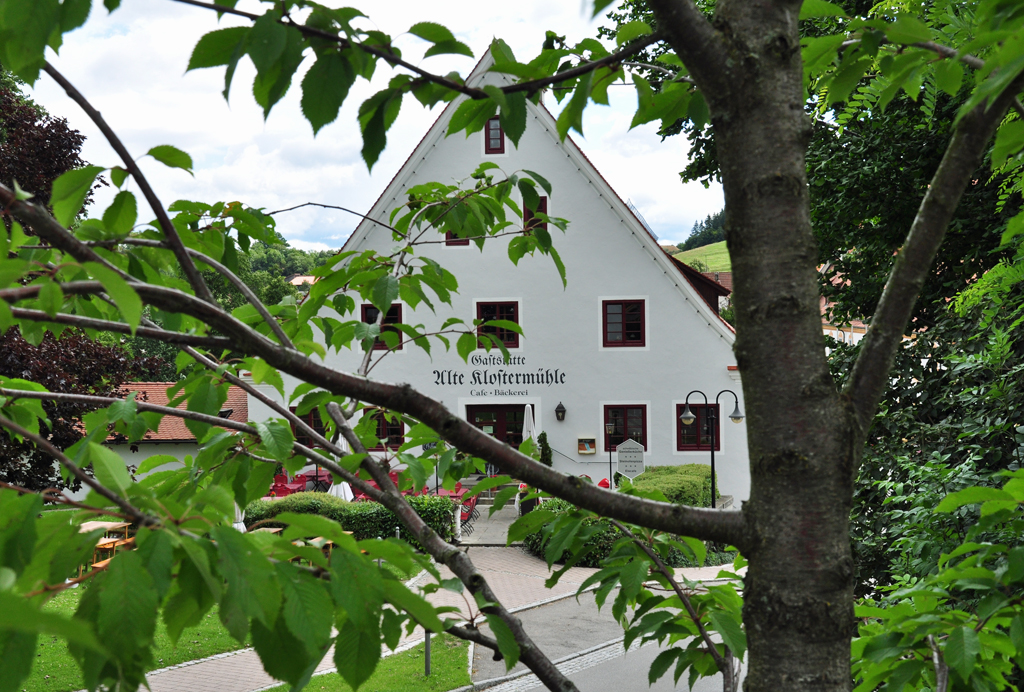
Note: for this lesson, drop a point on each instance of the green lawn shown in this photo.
(56, 671)
(716, 256)
(404, 672)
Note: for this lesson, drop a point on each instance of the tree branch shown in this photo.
(477, 94)
(195, 279)
(706, 524)
(870, 376)
(698, 44)
(729, 681)
(177, 338)
(44, 444)
(457, 561)
(472, 634)
(271, 321)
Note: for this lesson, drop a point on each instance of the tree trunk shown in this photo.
(799, 589)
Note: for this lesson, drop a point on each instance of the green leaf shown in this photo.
(69, 192)
(962, 648)
(970, 496)
(513, 116)
(385, 291)
(571, 117)
(109, 468)
(51, 298)
(311, 525)
(18, 614)
(325, 87)
(431, 31)
(949, 74)
(308, 610)
(820, 8)
(263, 372)
(118, 175)
(528, 523)
(727, 625)
(541, 180)
(356, 652)
(449, 48)
(120, 216)
(172, 157)
(126, 299)
(466, 344)
(128, 605)
(397, 594)
(267, 41)
(253, 591)
(908, 29)
(217, 47)
(17, 652)
(506, 640)
(277, 438)
(633, 30)
(661, 664)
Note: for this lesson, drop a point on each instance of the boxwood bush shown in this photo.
(364, 519)
(689, 484)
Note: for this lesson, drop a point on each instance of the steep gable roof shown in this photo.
(684, 281)
(172, 428)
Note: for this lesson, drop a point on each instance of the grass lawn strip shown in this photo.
(56, 671)
(402, 671)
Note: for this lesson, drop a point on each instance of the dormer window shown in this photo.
(494, 137)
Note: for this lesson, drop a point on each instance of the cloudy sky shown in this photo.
(131, 66)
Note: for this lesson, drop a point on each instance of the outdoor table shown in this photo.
(267, 529)
(107, 526)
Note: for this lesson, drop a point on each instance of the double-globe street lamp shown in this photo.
(688, 417)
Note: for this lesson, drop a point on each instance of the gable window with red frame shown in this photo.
(312, 419)
(451, 239)
(623, 323)
(697, 435)
(391, 432)
(531, 221)
(394, 316)
(629, 423)
(508, 311)
(494, 137)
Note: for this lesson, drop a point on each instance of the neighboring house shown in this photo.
(724, 279)
(172, 437)
(594, 352)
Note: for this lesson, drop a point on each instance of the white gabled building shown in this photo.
(632, 333)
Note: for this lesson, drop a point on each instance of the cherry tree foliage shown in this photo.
(744, 71)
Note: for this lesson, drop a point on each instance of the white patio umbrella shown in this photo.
(529, 429)
(239, 519)
(342, 490)
(529, 432)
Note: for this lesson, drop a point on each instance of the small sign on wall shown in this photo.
(586, 445)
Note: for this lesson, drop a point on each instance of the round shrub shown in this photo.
(364, 519)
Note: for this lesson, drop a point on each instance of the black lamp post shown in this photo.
(688, 417)
(609, 428)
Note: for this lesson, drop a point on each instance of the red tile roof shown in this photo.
(172, 429)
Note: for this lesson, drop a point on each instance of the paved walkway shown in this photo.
(491, 530)
(516, 577)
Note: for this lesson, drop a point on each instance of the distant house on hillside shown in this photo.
(301, 281)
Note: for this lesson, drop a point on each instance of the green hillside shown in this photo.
(715, 256)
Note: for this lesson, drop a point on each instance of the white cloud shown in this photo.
(131, 66)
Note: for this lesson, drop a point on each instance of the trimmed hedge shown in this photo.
(688, 484)
(364, 519)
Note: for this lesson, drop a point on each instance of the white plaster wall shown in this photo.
(607, 254)
(146, 450)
